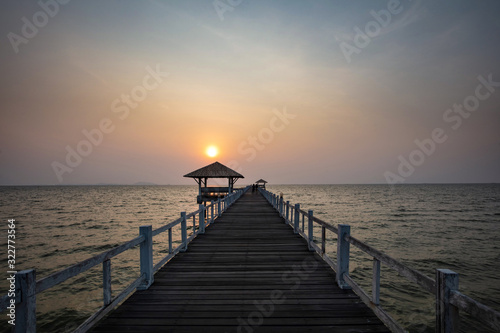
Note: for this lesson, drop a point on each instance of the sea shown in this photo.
(425, 226)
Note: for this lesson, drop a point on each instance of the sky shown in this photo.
(295, 92)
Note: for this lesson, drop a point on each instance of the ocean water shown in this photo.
(424, 226)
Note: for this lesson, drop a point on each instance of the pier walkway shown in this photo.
(249, 272)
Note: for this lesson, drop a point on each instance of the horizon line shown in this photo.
(268, 184)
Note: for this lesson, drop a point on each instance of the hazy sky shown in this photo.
(289, 91)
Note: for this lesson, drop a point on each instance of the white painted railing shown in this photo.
(27, 286)
(449, 301)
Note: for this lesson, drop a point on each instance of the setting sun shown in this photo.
(212, 151)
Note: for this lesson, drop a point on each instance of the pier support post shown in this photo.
(343, 255)
(219, 213)
(296, 218)
(212, 219)
(146, 255)
(310, 235)
(184, 232)
(202, 219)
(25, 282)
(287, 211)
(447, 315)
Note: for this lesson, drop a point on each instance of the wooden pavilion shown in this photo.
(214, 170)
(261, 183)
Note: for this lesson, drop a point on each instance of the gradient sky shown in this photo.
(353, 121)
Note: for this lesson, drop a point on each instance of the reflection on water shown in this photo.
(424, 226)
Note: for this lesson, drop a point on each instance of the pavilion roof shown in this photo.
(261, 181)
(214, 170)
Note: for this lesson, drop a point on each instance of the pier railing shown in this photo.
(23, 304)
(449, 301)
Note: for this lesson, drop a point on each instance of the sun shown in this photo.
(212, 151)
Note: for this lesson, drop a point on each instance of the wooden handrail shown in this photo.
(82, 266)
(411, 274)
(474, 308)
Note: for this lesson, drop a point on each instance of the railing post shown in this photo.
(219, 213)
(212, 213)
(25, 308)
(296, 216)
(376, 282)
(170, 240)
(343, 255)
(106, 282)
(447, 315)
(287, 210)
(323, 239)
(310, 234)
(281, 206)
(146, 255)
(184, 232)
(202, 219)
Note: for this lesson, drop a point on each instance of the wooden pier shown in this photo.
(249, 272)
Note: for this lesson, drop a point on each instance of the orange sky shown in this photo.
(270, 85)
